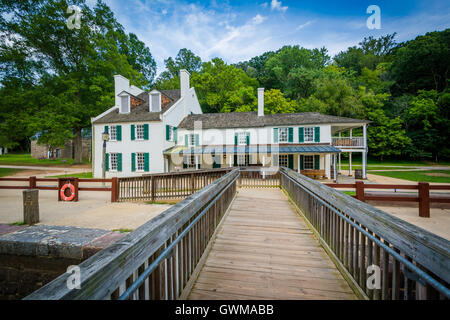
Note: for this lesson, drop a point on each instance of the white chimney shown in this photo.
(184, 82)
(120, 84)
(260, 102)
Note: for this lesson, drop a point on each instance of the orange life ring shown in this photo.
(62, 193)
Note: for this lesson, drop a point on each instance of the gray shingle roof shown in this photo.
(251, 120)
(141, 113)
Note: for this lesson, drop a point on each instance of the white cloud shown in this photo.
(258, 19)
(304, 25)
(277, 5)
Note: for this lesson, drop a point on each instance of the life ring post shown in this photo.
(71, 184)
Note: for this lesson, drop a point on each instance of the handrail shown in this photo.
(112, 271)
(345, 225)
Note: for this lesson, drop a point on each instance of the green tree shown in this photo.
(422, 63)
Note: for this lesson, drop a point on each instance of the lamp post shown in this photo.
(105, 138)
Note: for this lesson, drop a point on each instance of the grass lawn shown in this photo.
(4, 172)
(372, 163)
(440, 176)
(27, 160)
(84, 175)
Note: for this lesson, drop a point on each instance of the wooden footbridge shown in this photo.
(291, 238)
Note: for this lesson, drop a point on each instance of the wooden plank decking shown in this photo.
(265, 250)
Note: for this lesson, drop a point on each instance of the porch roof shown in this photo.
(250, 149)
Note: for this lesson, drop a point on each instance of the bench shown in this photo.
(314, 174)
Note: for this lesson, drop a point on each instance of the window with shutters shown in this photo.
(140, 161)
(308, 162)
(283, 160)
(113, 162)
(242, 138)
(113, 133)
(283, 135)
(140, 132)
(309, 134)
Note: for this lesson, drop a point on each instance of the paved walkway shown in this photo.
(265, 250)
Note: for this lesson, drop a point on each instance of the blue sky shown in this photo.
(239, 30)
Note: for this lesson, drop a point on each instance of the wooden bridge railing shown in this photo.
(158, 261)
(259, 178)
(381, 256)
(176, 185)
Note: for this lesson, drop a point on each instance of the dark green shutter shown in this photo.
(291, 161)
(235, 139)
(186, 140)
(317, 162)
(133, 162)
(106, 129)
(248, 138)
(133, 132)
(175, 134)
(275, 135)
(167, 132)
(107, 162)
(146, 162)
(184, 162)
(197, 140)
(302, 165)
(291, 135)
(235, 160)
(301, 135)
(119, 133)
(317, 134)
(119, 162)
(146, 132)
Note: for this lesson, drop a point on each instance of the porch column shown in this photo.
(335, 168)
(340, 167)
(230, 157)
(350, 171)
(364, 155)
(298, 163)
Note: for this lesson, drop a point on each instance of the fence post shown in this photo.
(76, 184)
(360, 191)
(424, 200)
(114, 190)
(33, 183)
(31, 206)
(152, 181)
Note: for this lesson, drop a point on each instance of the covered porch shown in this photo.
(318, 162)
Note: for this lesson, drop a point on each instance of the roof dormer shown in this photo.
(125, 102)
(154, 101)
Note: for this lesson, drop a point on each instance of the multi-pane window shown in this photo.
(308, 162)
(113, 162)
(192, 140)
(140, 132)
(113, 133)
(243, 160)
(309, 134)
(283, 160)
(140, 161)
(242, 138)
(190, 161)
(284, 135)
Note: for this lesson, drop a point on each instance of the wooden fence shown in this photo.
(158, 261)
(381, 256)
(33, 183)
(177, 185)
(423, 196)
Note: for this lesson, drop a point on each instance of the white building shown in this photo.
(166, 131)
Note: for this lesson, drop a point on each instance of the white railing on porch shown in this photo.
(355, 142)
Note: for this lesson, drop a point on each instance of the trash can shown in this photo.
(358, 174)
